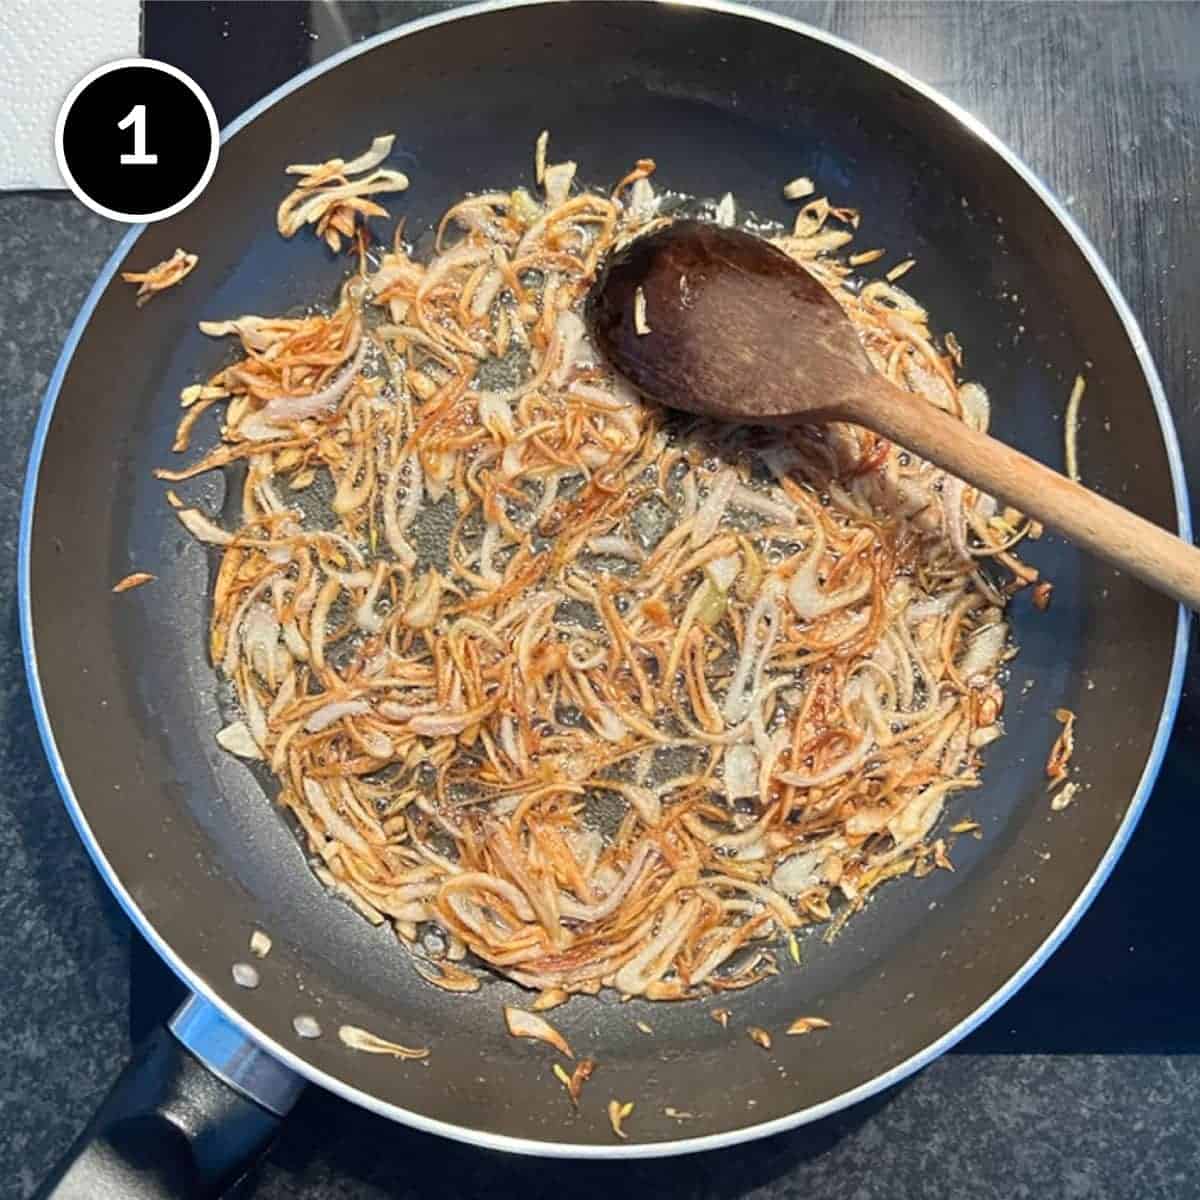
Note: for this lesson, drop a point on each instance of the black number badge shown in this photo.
(137, 140)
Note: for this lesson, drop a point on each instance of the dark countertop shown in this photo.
(1086, 1085)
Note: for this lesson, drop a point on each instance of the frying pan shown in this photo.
(186, 836)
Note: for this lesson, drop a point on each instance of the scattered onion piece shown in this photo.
(617, 1113)
(797, 189)
(760, 1037)
(976, 406)
(369, 1043)
(1064, 796)
(524, 1024)
(803, 1025)
(136, 579)
(237, 739)
(446, 975)
(557, 180)
(793, 948)
(640, 325)
(379, 149)
(201, 391)
(1071, 428)
(1058, 764)
(810, 218)
(864, 257)
(166, 274)
(203, 528)
(576, 1079)
(327, 198)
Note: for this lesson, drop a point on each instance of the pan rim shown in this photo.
(901, 1070)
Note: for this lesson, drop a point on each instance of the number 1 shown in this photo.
(136, 117)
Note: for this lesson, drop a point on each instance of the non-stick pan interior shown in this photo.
(721, 102)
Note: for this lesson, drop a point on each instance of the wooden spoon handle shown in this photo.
(1129, 542)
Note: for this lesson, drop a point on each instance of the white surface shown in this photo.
(46, 46)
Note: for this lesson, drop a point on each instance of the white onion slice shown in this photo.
(983, 651)
(834, 771)
(202, 528)
(298, 408)
(379, 149)
(557, 181)
(796, 875)
(575, 347)
(237, 739)
(618, 547)
(976, 406)
(642, 202)
(329, 713)
(524, 1024)
(712, 509)
(741, 772)
(335, 824)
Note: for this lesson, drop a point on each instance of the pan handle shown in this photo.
(192, 1112)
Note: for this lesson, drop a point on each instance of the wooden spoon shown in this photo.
(720, 322)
